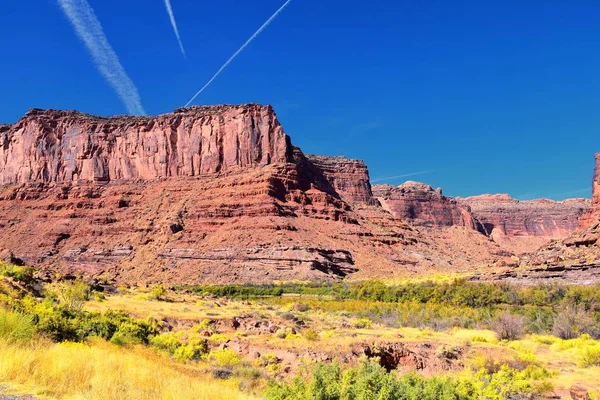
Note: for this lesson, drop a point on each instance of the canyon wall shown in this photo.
(423, 205)
(501, 215)
(68, 146)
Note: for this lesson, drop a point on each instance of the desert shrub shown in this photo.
(203, 325)
(168, 342)
(191, 351)
(179, 347)
(311, 334)
(509, 383)
(508, 326)
(73, 295)
(544, 339)
(589, 356)
(288, 316)
(158, 292)
(573, 321)
(15, 326)
(363, 323)
(221, 373)
(19, 273)
(281, 334)
(369, 381)
(539, 320)
(219, 338)
(269, 362)
(301, 307)
(247, 373)
(223, 358)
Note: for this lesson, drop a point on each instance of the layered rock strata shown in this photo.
(205, 194)
(501, 215)
(423, 205)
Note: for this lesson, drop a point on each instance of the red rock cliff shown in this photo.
(423, 205)
(65, 146)
(349, 178)
(502, 216)
(593, 213)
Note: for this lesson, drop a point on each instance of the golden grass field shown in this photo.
(562, 357)
(101, 370)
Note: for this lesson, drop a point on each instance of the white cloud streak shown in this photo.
(402, 176)
(262, 28)
(88, 28)
(175, 29)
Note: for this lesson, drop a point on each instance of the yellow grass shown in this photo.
(103, 371)
(559, 356)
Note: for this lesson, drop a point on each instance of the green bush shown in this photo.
(180, 349)
(15, 326)
(311, 335)
(73, 295)
(168, 342)
(192, 351)
(21, 274)
(158, 292)
(370, 381)
(590, 356)
(223, 358)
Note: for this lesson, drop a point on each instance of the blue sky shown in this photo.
(485, 96)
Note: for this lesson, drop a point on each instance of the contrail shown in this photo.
(174, 24)
(240, 50)
(89, 30)
(402, 176)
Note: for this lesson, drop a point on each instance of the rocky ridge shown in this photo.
(215, 194)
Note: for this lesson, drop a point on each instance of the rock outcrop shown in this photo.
(525, 225)
(349, 178)
(423, 205)
(592, 215)
(68, 146)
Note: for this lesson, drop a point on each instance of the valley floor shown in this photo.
(194, 344)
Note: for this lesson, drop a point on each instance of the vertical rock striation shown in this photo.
(68, 146)
(349, 178)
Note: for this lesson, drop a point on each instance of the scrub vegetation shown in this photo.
(370, 340)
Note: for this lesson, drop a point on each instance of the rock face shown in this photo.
(349, 178)
(423, 205)
(501, 216)
(208, 194)
(575, 258)
(593, 213)
(62, 147)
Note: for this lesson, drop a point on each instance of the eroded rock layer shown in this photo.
(423, 205)
(349, 178)
(526, 225)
